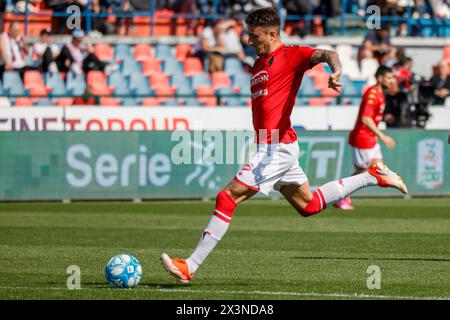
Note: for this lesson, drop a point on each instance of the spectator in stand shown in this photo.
(440, 84)
(210, 46)
(395, 104)
(122, 8)
(231, 41)
(45, 52)
(2, 10)
(32, 5)
(402, 73)
(249, 51)
(377, 44)
(59, 24)
(14, 50)
(78, 56)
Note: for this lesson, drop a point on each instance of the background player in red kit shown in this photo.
(275, 81)
(364, 137)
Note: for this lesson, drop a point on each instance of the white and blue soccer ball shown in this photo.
(123, 271)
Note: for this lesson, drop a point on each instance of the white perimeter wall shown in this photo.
(181, 118)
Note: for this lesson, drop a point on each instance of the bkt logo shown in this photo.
(321, 158)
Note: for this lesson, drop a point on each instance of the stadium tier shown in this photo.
(152, 75)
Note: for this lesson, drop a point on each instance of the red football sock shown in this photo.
(316, 205)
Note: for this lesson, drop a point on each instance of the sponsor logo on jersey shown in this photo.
(261, 76)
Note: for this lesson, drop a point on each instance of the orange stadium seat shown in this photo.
(150, 67)
(192, 66)
(23, 102)
(96, 80)
(143, 52)
(104, 52)
(220, 79)
(182, 51)
(33, 81)
(206, 95)
(109, 101)
(446, 53)
(150, 102)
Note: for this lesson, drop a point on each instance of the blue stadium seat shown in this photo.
(123, 51)
(307, 87)
(54, 81)
(172, 66)
(164, 51)
(130, 66)
(139, 85)
(233, 65)
(199, 79)
(42, 103)
(118, 81)
(228, 100)
(241, 80)
(191, 102)
(76, 83)
(12, 83)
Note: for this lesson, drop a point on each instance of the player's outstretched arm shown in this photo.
(388, 141)
(332, 59)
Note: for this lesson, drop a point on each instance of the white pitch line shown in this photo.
(267, 293)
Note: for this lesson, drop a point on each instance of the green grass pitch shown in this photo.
(269, 252)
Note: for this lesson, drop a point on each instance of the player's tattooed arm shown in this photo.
(332, 59)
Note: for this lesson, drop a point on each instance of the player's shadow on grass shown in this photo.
(373, 258)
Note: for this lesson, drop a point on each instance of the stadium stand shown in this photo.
(154, 72)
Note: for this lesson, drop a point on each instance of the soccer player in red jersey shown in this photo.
(366, 151)
(275, 81)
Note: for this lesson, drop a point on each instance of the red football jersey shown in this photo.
(275, 82)
(372, 106)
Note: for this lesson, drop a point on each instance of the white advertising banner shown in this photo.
(178, 118)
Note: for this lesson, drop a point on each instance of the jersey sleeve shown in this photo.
(299, 57)
(369, 104)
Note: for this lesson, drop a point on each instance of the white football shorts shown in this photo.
(362, 158)
(271, 167)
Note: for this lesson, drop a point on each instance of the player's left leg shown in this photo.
(308, 203)
(362, 159)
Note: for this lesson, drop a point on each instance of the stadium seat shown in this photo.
(241, 81)
(104, 52)
(220, 79)
(23, 102)
(41, 102)
(206, 95)
(123, 52)
(150, 67)
(172, 66)
(139, 86)
(129, 66)
(96, 80)
(150, 102)
(446, 53)
(121, 90)
(164, 51)
(12, 83)
(232, 65)
(227, 97)
(143, 52)
(109, 101)
(159, 80)
(76, 83)
(192, 66)
(182, 51)
(35, 84)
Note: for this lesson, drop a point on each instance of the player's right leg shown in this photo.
(226, 201)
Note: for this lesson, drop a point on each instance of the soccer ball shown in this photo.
(123, 271)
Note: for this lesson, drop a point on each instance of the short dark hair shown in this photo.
(382, 70)
(265, 17)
